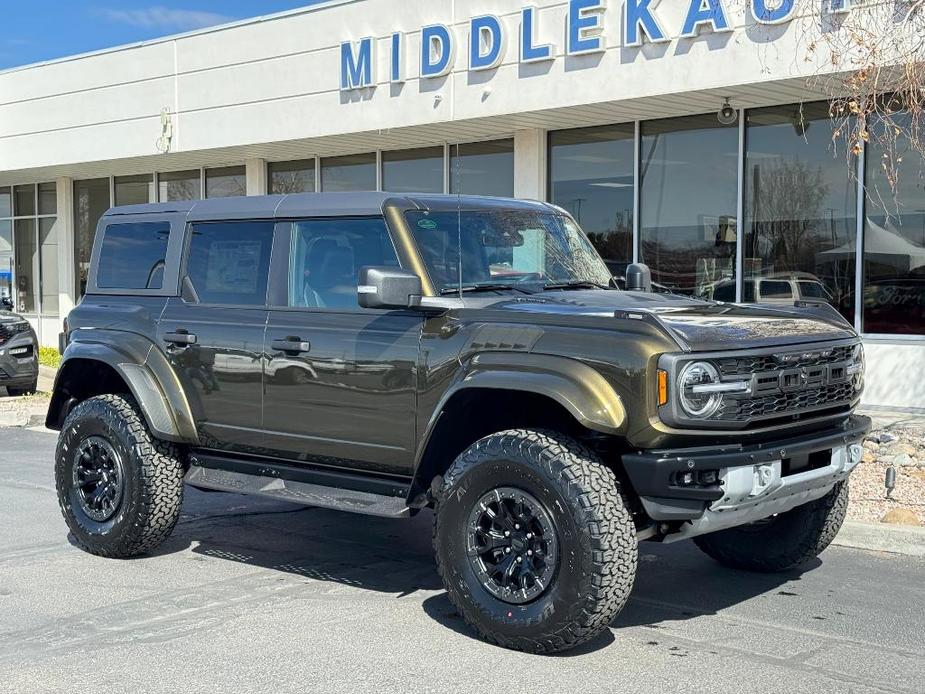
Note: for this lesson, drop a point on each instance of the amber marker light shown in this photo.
(662, 387)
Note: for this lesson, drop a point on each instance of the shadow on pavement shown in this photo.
(674, 582)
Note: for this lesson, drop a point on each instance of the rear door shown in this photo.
(340, 382)
(213, 334)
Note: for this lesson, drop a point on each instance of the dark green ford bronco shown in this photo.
(389, 354)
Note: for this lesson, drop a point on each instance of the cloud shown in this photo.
(159, 17)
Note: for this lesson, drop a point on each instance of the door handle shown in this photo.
(181, 337)
(291, 345)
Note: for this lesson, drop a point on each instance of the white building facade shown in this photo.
(608, 108)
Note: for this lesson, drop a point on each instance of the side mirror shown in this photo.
(6, 304)
(386, 287)
(638, 278)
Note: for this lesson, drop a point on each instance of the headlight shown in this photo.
(699, 390)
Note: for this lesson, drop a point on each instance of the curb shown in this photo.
(880, 537)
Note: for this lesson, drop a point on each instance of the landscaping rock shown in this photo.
(903, 460)
(901, 516)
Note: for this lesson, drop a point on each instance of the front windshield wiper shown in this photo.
(487, 287)
(575, 284)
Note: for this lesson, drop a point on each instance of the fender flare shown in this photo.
(146, 371)
(589, 397)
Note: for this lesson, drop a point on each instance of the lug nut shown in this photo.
(529, 552)
(507, 550)
(519, 559)
(507, 533)
(529, 536)
(516, 526)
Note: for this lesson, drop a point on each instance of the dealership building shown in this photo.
(610, 109)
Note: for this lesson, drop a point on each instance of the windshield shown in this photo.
(505, 248)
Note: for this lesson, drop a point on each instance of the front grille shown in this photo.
(787, 403)
(746, 366)
(788, 385)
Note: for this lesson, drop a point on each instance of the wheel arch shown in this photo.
(498, 391)
(97, 367)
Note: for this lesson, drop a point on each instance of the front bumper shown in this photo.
(754, 481)
(19, 362)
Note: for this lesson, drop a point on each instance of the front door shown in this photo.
(340, 381)
(213, 336)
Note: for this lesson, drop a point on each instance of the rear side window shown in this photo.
(229, 262)
(132, 256)
(771, 289)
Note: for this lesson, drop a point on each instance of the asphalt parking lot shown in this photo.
(250, 595)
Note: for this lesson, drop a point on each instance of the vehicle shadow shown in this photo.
(674, 582)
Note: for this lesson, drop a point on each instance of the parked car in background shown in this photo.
(19, 350)
(773, 289)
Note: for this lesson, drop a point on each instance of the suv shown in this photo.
(19, 348)
(386, 354)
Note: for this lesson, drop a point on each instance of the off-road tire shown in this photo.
(597, 545)
(153, 479)
(30, 389)
(784, 542)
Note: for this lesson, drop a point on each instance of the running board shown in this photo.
(298, 492)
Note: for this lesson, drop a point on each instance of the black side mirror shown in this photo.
(386, 287)
(638, 278)
(6, 304)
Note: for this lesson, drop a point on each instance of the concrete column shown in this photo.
(256, 176)
(67, 258)
(530, 164)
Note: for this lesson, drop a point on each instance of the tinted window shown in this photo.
(292, 177)
(776, 290)
(483, 168)
(413, 171)
(132, 256)
(326, 256)
(353, 172)
(229, 262)
(812, 290)
(725, 291)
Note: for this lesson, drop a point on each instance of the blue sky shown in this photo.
(35, 31)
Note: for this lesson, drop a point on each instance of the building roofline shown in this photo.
(324, 5)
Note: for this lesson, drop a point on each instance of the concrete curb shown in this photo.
(880, 537)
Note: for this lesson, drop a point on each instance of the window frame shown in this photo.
(278, 286)
(172, 259)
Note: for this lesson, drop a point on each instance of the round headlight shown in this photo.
(694, 403)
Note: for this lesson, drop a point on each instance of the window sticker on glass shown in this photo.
(428, 224)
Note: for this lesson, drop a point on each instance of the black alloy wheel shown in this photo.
(512, 545)
(98, 479)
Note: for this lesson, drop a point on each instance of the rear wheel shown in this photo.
(533, 540)
(782, 542)
(120, 490)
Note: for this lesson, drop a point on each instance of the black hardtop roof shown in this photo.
(322, 205)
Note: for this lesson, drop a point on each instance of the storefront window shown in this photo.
(894, 242)
(688, 193)
(354, 172)
(292, 177)
(413, 170)
(91, 200)
(134, 190)
(24, 201)
(483, 168)
(6, 257)
(48, 199)
(227, 182)
(800, 207)
(26, 266)
(48, 258)
(6, 203)
(179, 185)
(591, 176)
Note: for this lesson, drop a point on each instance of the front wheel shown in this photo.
(533, 540)
(782, 542)
(120, 489)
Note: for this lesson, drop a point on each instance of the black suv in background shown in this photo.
(19, 354)
(385, 354)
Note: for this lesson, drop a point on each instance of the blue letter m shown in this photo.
(356, 69)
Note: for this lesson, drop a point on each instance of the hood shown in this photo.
(696, 325)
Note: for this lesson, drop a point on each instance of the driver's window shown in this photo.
(326, 255)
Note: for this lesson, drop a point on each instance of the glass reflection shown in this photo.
(800, 208)
(355, 172)
(483, 168)
(894, 241)
(413, 170)
(688, 202)
(591, 176)
(292, 177)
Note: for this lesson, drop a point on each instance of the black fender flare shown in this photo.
(145, 370)
(589, 397)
